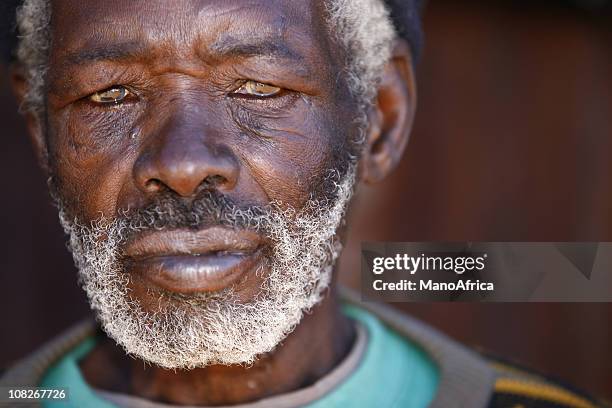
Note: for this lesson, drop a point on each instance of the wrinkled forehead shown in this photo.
(183, 28)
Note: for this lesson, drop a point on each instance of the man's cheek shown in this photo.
(85, 131)
(91, 196)
(91, 155)
(290, 158)
(90, 185)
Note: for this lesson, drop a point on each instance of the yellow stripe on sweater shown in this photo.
(541, 391)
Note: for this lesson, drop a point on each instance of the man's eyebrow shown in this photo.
(108, 52)
(225, 47)
(229, 46)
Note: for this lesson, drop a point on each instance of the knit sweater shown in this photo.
(467, 379)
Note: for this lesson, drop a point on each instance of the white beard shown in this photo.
(215, 328)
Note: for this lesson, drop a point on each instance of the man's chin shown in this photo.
(178, 331)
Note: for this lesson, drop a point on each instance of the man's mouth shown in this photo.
(186, 261)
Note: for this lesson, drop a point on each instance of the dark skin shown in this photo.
(180, 70)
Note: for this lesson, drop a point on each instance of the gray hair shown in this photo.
(363, 27)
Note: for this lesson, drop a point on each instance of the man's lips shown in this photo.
(187, 261)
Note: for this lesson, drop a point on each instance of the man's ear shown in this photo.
(391, 118)
(33, 121)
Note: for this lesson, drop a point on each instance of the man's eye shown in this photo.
(258, 89)
(113, 95)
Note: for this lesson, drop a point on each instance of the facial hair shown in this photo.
(213, 328)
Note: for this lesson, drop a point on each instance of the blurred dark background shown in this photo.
(513, 142)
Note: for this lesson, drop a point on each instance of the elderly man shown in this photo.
(203, 155)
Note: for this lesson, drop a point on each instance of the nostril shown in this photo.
(184, 169)
(214, 181)
(153, 185)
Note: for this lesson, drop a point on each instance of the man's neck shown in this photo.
(314, 348)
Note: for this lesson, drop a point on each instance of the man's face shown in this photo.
(209, 142)
(185, 77)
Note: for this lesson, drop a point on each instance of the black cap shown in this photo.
(8, 38)
(405, 13)
(406, 16)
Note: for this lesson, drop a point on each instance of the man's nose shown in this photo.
(184, 159)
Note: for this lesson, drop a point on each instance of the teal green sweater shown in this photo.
(393, 372)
